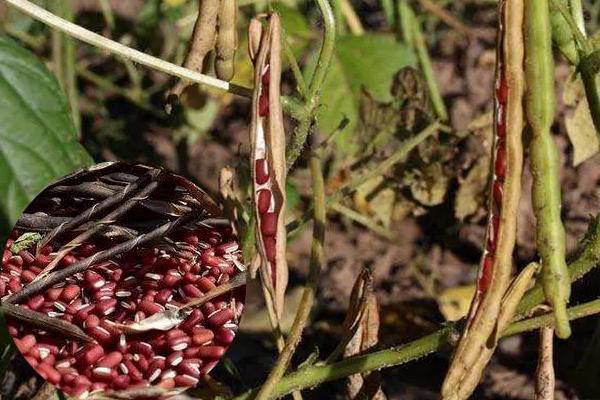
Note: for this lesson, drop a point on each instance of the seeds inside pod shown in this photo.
(104, 287)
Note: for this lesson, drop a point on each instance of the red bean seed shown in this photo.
(175, 358)
(111, 360)
(142, 348)
(263, 201)
(185, 380)
(261, 171)
(133, 371)
(268, 224)
(106, 307)
(220, 317)
(270, 247)
(224, 336)
(190, 367)
(192, 319)
(500, 162)
(91, 321)
(70, 293)
(53, 294)
(179, 343)
(211, 351)
(121, 382)
(49, 373)
(94, 280)
(100, 334)
(150, 307)
(191, 290)
(207, 367)
(263, 104)
(36, 302)
(167, 383)
(27, 276)
(202, 336)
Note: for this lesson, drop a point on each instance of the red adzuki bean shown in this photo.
(125, 291)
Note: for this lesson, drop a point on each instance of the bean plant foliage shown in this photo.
(39, 143)
(377, 160)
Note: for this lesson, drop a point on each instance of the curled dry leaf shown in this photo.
(544, 374)
(363, 314)
(268, 165)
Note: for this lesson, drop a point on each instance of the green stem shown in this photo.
(587, 259)
(317, 260)
(289, 55)
(544, 161)
(362, 219)
(314, 89)
(315, 375)
(63, 60)
(107, 13)
(577, 13)
(426, 66)
(117, 48)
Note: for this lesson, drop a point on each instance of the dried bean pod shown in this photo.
(226, 40)
(495, 269)
(202, 42)
(268, 163)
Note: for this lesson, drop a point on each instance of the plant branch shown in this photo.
(588, 258)
(316, 84)
(317, 261)
(314, 375)
(111, 46)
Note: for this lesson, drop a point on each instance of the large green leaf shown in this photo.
(368, 61)
(38, 142)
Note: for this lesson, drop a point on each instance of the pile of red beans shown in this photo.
(127, 289)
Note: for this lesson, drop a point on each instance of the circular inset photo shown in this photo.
(123, 278)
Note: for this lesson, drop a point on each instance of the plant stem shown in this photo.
(426, 66)
(45, 322)
(116, 48)
(315, 375)
(588, 258)
(317, 260)
(314, 89)
(294, 67)
(362, 219)
(577, 13)
(63, 59)
(544, 161)
(354, 24)
(107, 13)
(446, 17)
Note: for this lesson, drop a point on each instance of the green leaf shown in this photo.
(25, 241)
(368, 61)
(38, 142)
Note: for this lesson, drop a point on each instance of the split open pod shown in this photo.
(122, 278)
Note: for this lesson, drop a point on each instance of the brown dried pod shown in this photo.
(226, 40)
(203, 41)
(267, 138)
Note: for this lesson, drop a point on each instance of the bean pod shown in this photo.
(268, 155)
